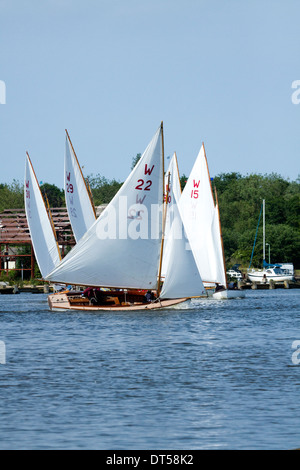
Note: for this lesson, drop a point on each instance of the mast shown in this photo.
(164, 210)
(87, 188)
(52, 222)
(178, 171)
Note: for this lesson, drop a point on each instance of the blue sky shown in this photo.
(109, 71)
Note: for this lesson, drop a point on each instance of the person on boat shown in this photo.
(88, 292)
(94, 295)
(219, 287)
(149, 296)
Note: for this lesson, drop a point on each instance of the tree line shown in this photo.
(240, 199)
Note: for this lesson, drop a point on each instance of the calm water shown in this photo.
(214, 375)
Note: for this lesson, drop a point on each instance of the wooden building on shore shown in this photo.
(16, 250)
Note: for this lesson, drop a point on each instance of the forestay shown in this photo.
(41, 231)
(78, 200)
(122, 248)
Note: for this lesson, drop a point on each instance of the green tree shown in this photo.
(240, 200)
(103, 190)
(135, 160)
(11, 196)
(55, 196)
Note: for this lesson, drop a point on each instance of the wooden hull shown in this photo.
(64, 301)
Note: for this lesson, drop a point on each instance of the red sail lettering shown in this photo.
(68, 176)
(70, 188)
(139, 186)
(196, 185)
(27, 184)
(149, 184)
(147, 170)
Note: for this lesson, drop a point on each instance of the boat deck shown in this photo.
(67, 301)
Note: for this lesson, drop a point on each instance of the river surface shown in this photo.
(211, 375)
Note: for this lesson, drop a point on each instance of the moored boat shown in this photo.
(266, 275)
(270, 272)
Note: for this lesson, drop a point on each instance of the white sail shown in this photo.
(122, 248)
(79, 205)
(41, 231)
(172, 193)
(200, 220)
(182, 277)
(217, 264)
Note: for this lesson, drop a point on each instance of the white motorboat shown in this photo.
(264, 276)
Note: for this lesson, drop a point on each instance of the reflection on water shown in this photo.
(207, 375)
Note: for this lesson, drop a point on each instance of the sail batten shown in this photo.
(122, 247)
(41, 231)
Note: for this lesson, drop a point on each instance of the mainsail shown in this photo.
(122, 248)
(201, 222)
(78, 200)
(41, 230)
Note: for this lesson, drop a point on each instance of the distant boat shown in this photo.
(119, 258)
(80, 207)
(234, 272)
(40, 224)
(201, 219)
(270, 272)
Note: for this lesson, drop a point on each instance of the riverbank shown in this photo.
(46, 288)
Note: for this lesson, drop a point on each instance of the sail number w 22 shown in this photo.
(142, 185)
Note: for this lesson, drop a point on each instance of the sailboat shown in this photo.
(119, 258)
(80, 207)
(40, 224)
(201, 219)
(270, 272)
